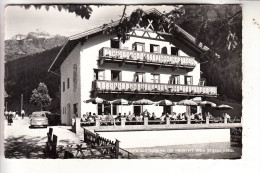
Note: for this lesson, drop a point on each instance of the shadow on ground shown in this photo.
(25, 147)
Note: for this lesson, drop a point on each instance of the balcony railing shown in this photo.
(148, 58)
(167, 89)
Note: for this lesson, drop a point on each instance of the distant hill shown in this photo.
(32, 43)
(24, 74)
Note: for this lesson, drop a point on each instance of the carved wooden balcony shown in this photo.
(145, 58)
(150, 88)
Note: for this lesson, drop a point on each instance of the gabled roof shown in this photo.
(73, 40)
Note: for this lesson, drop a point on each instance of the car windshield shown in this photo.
(38, 115)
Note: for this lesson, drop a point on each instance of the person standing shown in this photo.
(14, 115)
(6, 114)
(22, 113)
(10, 118)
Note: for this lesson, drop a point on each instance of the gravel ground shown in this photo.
(24, 142)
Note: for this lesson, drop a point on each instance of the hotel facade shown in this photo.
(148, 64)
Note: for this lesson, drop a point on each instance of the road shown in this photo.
(24, 142)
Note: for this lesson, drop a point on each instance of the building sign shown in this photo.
(75, 77)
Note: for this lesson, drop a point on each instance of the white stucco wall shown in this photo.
(89, 54)
(69, 96)
(147, 42)
(135, 139)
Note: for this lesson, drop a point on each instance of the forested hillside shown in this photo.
(220, 28)
(24, 74)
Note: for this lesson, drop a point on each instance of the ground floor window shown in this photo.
(137, 110)
(100, 109)
(75, 109)
(193, 109)
(107, 108)
(167, 109)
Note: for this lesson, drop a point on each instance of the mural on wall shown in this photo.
(75, 77)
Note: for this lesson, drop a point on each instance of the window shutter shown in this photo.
(120, 76)
(95, 76)
(144, 77)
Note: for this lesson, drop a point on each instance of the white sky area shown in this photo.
(18, 20)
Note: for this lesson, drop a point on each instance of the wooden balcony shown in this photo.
(145, 58)
(151, 88)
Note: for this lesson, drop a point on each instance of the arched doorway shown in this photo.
(68, 114)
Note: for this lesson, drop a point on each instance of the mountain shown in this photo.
(32, 43)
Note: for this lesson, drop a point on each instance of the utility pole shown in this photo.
(21, 103)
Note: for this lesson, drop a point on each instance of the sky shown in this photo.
(18, 20)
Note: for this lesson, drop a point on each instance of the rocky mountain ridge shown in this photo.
(34, 42)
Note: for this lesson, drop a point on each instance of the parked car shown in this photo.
(39, 119)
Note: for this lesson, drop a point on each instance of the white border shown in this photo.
(251, 75)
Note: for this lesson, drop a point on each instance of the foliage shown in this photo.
(221, 23)
(40, 96)
(223, 27)
(84, 11)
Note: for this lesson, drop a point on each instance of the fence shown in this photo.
(236, 135)
(146, 122)
(133, 56)
(51, 145)
(95, 146)
(106, 147)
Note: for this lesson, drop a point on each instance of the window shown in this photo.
(154, 48)
(111, 109)
(164, 50)
(114, 110)
(188, 80)
(193, 109)
(174, 51)
(167, 109)
(138, 46)
(155, 78)
(114, 43)
(75, 109)
(116, 75)
(174, 79)
(68, 83)
(99, 74)
(63, 86)
(137, 110)
(100, 109)
(202, 82)
(139, 77)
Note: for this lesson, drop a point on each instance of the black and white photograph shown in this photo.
(157, 81)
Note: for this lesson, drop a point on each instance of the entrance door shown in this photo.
(137, 110)
(68, 114)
